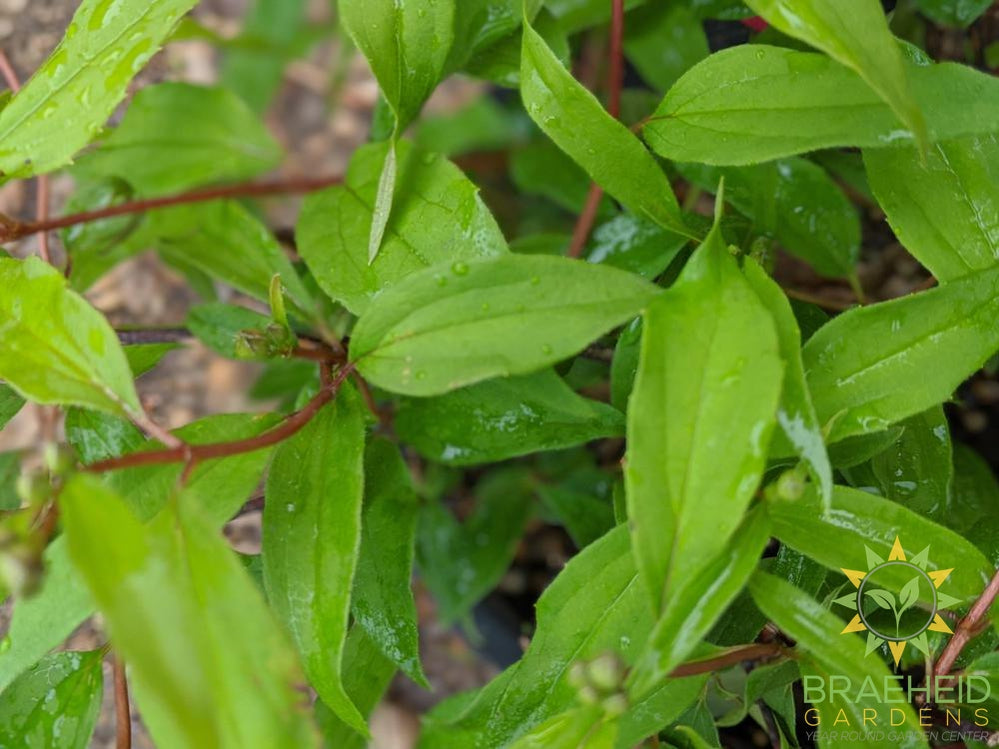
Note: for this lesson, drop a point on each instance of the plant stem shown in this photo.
(729, 658)
(196, 453)
(246, 189)
(123, 714)
(967, 628)
(615, 81)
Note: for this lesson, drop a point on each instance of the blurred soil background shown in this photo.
(322, 112)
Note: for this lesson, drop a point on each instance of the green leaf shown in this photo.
(218, 325)
(224, 240)
(586, 517)
(504, 418)
(437, 216)
(974, 510)
(10, 469)
(753, 103)
(209, 664)
(953, 12)
(407, 46)
(796, 417)
(68, 99)
(824, 651)
(635, 244)
(96, 436)
(909, 594)
(855, 33)
(699, 602)
(57, 348)
(573, 118)
(10, 404)
(699, 418)
(382, 601)
(595, 605)
(932, 341)
(540, 168)
(500, 63)
(176, 136)
(796, 203)
(583, 726)
(311, 539)
(366, 675)
(55, 705)
(917, 470)
(857, 519)
(576, 15)
(883, 598)
(42, 621)
(461, 562)
(662, 41)
(143, 357)
(443, 328)
(940, 210)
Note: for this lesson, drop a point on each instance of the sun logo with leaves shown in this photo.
(897, 601)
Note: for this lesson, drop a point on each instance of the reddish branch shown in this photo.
(967, 628)
(615, 81)
(194, 454)
(13, 229)
(729, 658)
(123, 715)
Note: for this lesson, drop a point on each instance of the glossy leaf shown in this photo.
(382, 601)
(855, 33)
(437, 216)
(443, 328)
(176, 136)
(826, 651)
(573, 118)
(799, 426)
(96, 436)
(218, 325)
(699, 418)
(796, 203)
(68, 99)
(461, 562)
(635, 244)
(595, 605)
(57, 348)
(753, 103)
(311, 539)
(698, 603)
(55, 705)
(407, 46)
(944, 211)
(932, 341)
(953, 12)
(209, 664)
(857, 519)
(504, 418)
(662, 41)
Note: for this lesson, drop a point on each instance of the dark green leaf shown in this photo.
(56, 347)
(208, 663)
(462, 562)
(586, 517)
(635, 244)
(953, 12)
(504, 418)
(55, 705)
(942, 209)
(142, 357)
(540, 168)
(176, 136)
(931, 341)
(10, 469)
(68, 99)
(662, 41)
(753, 103)
(382, 602)
(311, 538)
(443, 328)
(700, 417)
(10, 404)
(218, 325)
(573, 118)
(437, 216)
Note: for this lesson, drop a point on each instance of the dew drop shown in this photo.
(459, 268)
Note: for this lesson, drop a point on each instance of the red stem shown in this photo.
(729, 658)
(123, 714)
(967, 628)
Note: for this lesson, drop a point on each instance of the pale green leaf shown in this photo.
(311, 538)
(437, 216)
(699, 418)
(613, 156)
(55, 705)
(753, 103)
(209, 665)
(931, 341)
(945, 211)
(68, 99)
(56, 347)
(443, 328)
(855, 33)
